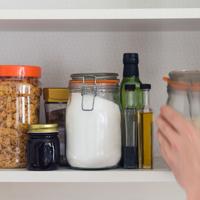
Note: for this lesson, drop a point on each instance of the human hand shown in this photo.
(179, 143)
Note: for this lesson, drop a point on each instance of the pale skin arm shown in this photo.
(179, 143)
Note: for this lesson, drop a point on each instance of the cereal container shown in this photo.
(19, 107)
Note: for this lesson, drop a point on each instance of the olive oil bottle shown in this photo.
(146, 129)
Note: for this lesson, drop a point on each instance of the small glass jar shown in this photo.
(55, 112)
(93, 121)
(43, 147)
(19, 107)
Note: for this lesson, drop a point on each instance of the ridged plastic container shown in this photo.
(19, 107)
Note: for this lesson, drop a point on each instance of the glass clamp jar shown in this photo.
(19, 107)
(93, 121)
(55, 111)
(43, 147)
(184, 93)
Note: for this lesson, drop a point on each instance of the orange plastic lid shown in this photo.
(20, 71)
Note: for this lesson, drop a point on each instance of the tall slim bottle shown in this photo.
(131, 76)
(130, 154)
(146, 116)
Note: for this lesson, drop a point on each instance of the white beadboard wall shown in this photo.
(99, 4)
(63, 53)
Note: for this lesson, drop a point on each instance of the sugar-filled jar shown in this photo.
(184, 93)
(93, 121)
(19, 107)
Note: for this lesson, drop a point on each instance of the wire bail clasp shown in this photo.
(88, 92)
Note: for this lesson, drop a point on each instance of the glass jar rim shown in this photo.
(94, 76)
(188, 76)
(102, 86)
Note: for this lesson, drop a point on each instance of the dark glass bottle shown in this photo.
(131, 76)
(130, 154)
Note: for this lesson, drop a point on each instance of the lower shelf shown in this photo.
(64, 175)
(76, 176)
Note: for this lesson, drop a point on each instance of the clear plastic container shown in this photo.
(19, 107)
(93, 121)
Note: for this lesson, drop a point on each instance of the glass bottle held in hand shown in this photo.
(130, 155)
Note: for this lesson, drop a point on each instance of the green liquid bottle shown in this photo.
(131, 76)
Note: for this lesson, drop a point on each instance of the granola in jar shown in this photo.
(19, 107)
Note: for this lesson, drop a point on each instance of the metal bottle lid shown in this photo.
(56, 94)
(43, 128)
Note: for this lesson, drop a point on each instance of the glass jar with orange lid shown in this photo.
(184, 93)
(19, 107)
(93, 121)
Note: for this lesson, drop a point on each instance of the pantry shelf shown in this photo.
(76, 176)
(100, 19)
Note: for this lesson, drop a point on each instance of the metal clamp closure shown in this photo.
(88, 90)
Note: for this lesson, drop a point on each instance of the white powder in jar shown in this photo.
(93, 137)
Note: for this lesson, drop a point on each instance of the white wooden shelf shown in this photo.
(148, 13)
(76, 176)
(100, 19)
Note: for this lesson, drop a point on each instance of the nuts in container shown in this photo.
(19, 107)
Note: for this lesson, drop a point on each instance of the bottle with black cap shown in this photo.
(145, 133)
(130, 154)
(131, 76)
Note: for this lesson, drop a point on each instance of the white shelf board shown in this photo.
(60, 14)
(77, 176)
(100, 19)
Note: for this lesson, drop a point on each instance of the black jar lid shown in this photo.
(145, 86)
(43, 128)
